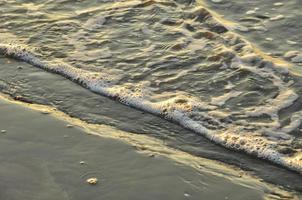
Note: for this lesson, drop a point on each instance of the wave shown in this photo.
(238, 94)
(181, 109)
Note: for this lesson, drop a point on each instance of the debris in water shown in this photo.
(82, 162)
(69, 126)
(92, 181)
(3, 131)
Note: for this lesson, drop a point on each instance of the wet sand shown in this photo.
(41, 159)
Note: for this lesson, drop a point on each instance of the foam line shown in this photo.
(177, 109)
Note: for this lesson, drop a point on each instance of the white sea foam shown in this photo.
(189, 112)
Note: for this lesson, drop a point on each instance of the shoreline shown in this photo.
(52, 143)
(103, 84)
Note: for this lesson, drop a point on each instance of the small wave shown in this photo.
(183, 110)
(196, 72)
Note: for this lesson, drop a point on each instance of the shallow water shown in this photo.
(254, 20)
(169, 58)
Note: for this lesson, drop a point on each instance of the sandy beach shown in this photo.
(43, 157)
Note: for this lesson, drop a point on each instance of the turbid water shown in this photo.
(179, 63)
